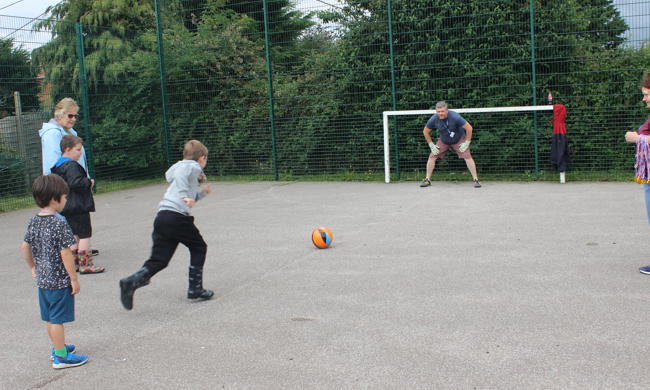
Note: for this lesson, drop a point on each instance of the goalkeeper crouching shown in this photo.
(454, 132)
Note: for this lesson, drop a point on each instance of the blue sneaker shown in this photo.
(71, 360)
(71, 348)
(645, 270)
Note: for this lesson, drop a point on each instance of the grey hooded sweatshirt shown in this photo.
(183, 179)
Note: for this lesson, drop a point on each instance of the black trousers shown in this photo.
(169, 229)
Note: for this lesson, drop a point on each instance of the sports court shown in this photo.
(511, 286)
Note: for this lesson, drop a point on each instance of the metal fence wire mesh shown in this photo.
(295, 90)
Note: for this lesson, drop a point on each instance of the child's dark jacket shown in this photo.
(80, 197)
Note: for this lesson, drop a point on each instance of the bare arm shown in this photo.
(427, 134)
(631, 136)
(468, 131)
(26, 251)
(68, 263)
(206, 188)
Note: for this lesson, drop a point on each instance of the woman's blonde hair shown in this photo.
(63, 106)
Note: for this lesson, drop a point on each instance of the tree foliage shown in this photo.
(474, 54)
(331, 85)
(215, 73)
(18, 74)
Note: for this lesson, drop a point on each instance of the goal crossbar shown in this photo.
(387, 114)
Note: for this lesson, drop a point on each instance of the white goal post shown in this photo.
(387, 114)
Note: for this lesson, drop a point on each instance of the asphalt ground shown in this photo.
(511, 286)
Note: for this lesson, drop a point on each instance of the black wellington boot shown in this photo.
(129, 284)
(195, 290)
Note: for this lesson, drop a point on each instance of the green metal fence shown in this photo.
(282, 90)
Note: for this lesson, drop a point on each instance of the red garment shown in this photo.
(559, 143)
(645, 128)
(559, 116)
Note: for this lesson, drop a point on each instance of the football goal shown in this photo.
(388, 114)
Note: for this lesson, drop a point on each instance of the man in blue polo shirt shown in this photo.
(454, 132)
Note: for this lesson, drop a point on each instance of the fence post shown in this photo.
(534, 82)
(83, 88)
(20, 139)
(269, 71)
(163, 84)
(393, 87)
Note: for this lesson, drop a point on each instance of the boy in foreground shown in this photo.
(47, 252)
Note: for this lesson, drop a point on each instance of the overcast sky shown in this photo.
(26, 8)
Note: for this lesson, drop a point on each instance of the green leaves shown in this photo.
(332, 82)
(17, 74)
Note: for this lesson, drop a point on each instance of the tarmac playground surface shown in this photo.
(511, 286)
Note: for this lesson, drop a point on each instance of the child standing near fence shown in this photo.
(174, 225)
(47, 252)
(80, 200)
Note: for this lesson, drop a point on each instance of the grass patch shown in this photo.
(18, 202)
(105, 186)
(551, 176)
(11, 203)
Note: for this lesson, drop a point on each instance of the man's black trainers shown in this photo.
(425, 183)
(477, 184)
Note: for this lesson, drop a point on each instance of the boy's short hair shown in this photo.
(194, 149)
(70, 141)
(48, 188)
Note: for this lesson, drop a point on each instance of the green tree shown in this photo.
(216, 78)
(104, 45)
(206, 69)
(471, 54)
(286, 24)
(17, 73)
(217, 88)
(309, 109)
(121, 70)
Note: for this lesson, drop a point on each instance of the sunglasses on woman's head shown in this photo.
(70, 116)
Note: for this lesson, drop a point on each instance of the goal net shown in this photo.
(469, 113)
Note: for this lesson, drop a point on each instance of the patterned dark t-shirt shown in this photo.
(48, 235)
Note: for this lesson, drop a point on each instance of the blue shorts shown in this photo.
(646, 187)
(57, 306)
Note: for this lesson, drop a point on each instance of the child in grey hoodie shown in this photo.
(174, 225)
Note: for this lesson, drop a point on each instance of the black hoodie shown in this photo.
(80, 197)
